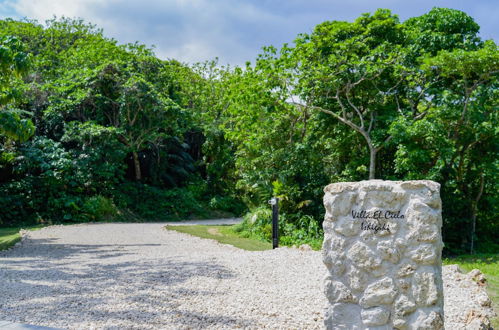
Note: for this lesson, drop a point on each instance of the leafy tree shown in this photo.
(115, 90)
(398, 86)
(107, 109)
(14, 62)
(120, 132)
(359, 73)
(456, 143)
(441, 29)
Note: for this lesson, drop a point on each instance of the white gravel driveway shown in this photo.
(141, 276)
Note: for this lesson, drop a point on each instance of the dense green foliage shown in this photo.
(257, 224)
(375, 98)
(91, 130)
(111, 139)
(14, 61)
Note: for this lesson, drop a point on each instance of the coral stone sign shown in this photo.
(382, 249)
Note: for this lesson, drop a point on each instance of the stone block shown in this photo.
(382, 249)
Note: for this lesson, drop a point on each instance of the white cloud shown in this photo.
(46, 9)
(233, 30)
(188, 30)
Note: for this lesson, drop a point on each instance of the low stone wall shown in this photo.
(382, 248)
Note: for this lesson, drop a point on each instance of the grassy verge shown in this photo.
(224, 235)
(488, 264)
(10, 235)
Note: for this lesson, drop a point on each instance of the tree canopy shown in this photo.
(91, 129)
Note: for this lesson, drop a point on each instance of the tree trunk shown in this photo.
(372, 162)
(474, 211)
(136, 163)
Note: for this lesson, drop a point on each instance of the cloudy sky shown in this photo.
(232, 30)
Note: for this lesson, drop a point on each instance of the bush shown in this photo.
(228, 204)
(99, 208)
(258, 224)
(12, 204)
(154, 203)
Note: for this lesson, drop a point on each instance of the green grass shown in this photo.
(10, 235)
(224, 235)
(488, 264)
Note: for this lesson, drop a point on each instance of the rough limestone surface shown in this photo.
(382, 249)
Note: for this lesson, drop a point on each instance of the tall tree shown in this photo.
(14, 62)
(359, 73)
(457, 142)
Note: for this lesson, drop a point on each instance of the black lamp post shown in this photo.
(275, 221)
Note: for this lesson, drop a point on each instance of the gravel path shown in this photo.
(140, 276)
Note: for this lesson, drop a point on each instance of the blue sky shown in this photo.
(232, 30)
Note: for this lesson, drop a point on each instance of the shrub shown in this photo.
(228, 204)
(99, 208)
(258, 224)
(154, 203)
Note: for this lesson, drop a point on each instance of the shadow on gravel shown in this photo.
(62, 290)
(45, 248)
